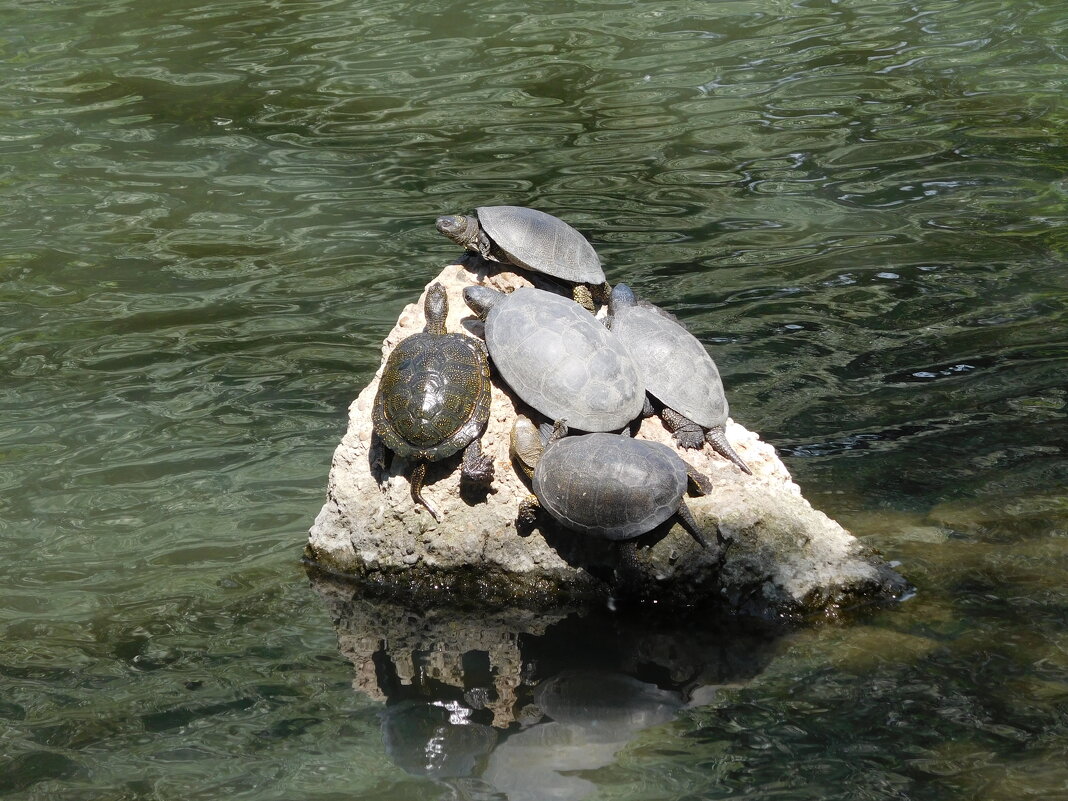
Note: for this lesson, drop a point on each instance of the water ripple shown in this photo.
(218, 210)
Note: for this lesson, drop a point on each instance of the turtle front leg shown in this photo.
(416, 482)
(489, 249)
(686, 432)
(476, 468)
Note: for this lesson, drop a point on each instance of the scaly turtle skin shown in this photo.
(558, 358)
(533, 240)
(434, 398)
(678, 372)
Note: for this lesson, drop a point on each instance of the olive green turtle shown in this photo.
(434, 399)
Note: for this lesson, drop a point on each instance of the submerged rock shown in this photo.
(787, 559)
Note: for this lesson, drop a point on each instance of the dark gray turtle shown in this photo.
(558, 358)
(606, 485)
(434, 398)
(531, 239)
(678, 372)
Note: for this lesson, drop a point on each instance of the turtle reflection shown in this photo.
(513, 704)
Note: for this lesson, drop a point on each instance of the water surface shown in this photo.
(214, 213)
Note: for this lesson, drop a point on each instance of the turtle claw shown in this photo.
(689, 440)
(686, 432)
(434, 513)
(477, 468)
(527, 515)
(377, 459)
(691, 525)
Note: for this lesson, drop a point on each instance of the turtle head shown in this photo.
(481, 299)
(460, 229)
(436, 308)
(622, 297)
(526, 444)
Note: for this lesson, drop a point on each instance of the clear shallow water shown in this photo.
(214, 212)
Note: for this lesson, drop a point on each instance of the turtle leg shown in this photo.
(559, 432)
(483, 244)
(378, 457)
(476, 467)
(584, 298)
(416, 482)
(686, 432)
(648, 410)
(717, 438)
(700, 484)
(528, 512)
(601, 293)
(629, 573)
(690, 524)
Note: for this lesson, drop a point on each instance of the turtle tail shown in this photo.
(416, 482)
(717, 438)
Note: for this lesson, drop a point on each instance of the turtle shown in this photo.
(558, 358)
(434, 399)
(678, 372)
(533, 240)
(610, 486)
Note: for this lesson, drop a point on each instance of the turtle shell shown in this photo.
(561, 361)
(609, 485)
(541, 242)
(678, 370)
(434, 395)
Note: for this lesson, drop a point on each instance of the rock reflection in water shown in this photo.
(513, 704)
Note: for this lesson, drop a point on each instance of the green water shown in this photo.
(212, 214)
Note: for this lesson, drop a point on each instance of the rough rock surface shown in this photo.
(787, 559)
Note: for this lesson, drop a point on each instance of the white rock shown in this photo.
(787, 559)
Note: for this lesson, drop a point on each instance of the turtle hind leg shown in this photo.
(629, 571)
(581, 294)
(601, 293)
(685, 431)
(416, 482)
(476, 474)
(527, 516)
(476, 467)
(379, 458)
(717, 438)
